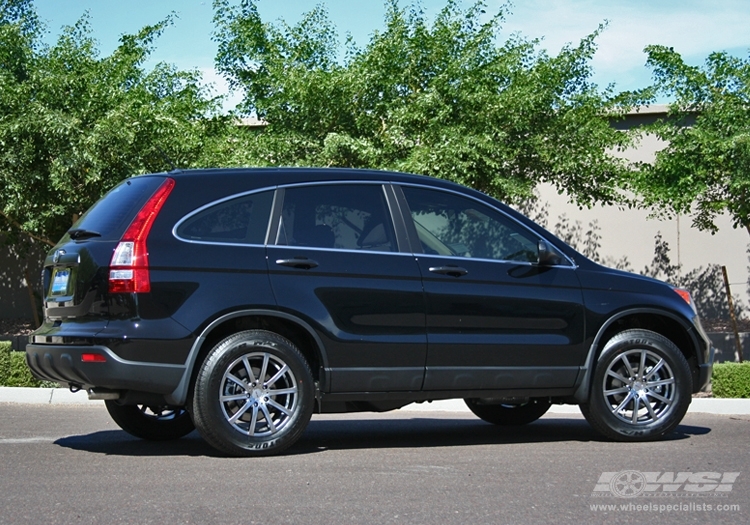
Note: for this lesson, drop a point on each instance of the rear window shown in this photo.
(112, 214)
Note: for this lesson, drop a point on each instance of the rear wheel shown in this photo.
(253, 395)
(153, 423)
(508, 412)
(641, 387)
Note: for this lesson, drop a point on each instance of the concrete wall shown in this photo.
(726, 347)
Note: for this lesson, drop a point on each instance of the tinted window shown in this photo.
(347, 217)
(243, 220)
(113, 213)
(448, 224)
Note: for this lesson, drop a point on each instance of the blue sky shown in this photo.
(693, 28)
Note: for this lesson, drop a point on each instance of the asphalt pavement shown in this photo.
(70, 463)
(62, 396)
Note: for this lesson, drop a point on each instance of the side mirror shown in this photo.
(548, 256)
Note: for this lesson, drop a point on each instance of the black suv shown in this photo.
(241, 301)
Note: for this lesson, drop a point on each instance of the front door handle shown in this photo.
(453, 271)
(302, 263)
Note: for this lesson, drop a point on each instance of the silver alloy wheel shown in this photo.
(258, 394)
(639, 387)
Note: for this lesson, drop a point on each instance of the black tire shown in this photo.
(641, 387)
(253, 394)
(508, 413)
(152, 423)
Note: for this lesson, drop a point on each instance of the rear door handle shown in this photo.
(302, 263)
(453, 271)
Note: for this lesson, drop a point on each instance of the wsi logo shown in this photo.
(632, 483)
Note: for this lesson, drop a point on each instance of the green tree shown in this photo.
(441, 98)
(74, 123)
(705, 168)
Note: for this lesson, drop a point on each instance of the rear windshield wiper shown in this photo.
(79, 234)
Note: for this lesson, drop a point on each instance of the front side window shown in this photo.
(452, 225)
(243, 220)
(345, 217)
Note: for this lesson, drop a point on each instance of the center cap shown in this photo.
(257, 394)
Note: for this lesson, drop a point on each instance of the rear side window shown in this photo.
(113, 213)
(243, 220)
(340, 216)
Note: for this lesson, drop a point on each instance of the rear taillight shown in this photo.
(128, 269)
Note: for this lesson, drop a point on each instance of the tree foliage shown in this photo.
(705, 168)
(441, 98)
(74, 123)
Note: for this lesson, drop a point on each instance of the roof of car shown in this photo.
(298, 174)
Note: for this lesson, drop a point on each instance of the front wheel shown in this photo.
(155, 423)
(641, 387)
(510, 411)
(253, 395)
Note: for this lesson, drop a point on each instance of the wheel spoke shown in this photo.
(624, 359)
(279, 407)
(651, 412)
(655, 369)
(656, 396)
(620, 390)
(624, 403)
(254, 420)
(276, 376)
(237, 380)
(240, 412)
(236, 397)
(642, 365)
(636, 402)
(617, 376)
(662, 382)
(248, 369)
(269, 419)
(291, 390)
(264, 368)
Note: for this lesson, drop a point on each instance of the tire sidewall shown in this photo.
(213, 423)
(599, 408)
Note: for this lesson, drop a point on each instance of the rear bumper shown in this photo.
(64, 364)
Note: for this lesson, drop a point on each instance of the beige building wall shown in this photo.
(631, 233)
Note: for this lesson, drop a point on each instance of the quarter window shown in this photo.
(451, 225)
(346, 217)
(243, 220)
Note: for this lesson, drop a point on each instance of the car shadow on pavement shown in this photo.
(425, 432)
(365, 433)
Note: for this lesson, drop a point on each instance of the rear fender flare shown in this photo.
(178, 397)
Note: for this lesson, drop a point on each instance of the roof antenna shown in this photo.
(165, 157)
